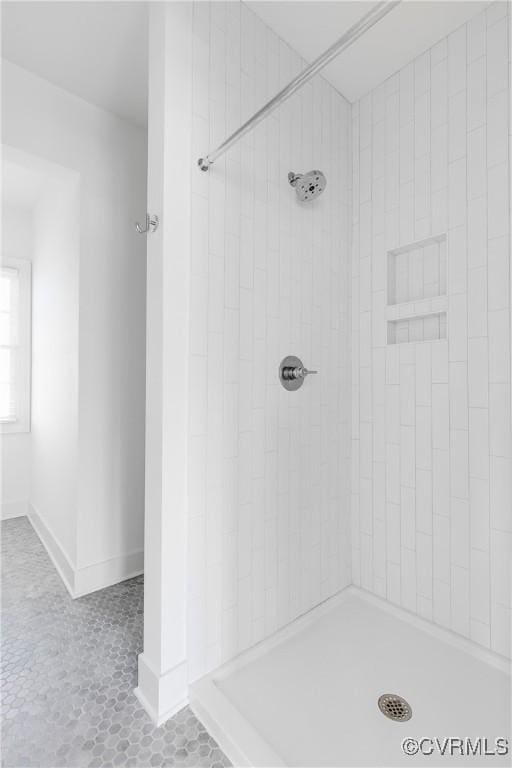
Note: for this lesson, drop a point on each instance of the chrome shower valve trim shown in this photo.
(292, 373)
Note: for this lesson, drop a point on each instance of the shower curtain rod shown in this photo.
(351, 35)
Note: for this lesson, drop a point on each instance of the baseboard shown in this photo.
(12, 509)
(162, 694)
(56, 553)
(90, 578)
(105, 574)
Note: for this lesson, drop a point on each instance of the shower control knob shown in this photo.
(298, 372)
(292, 373)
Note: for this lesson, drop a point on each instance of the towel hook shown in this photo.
(151, 225)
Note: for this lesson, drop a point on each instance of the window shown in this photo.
(15, 345)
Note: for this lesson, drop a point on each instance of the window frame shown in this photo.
(22, 421)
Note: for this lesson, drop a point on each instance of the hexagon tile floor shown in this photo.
(69, 668)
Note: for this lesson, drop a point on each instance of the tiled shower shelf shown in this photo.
(417, 271)
(417, 301)
(430, 327)
(410, 309)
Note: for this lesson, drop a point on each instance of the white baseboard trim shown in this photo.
(56, 553)
(162, 695)
(12, 509)
(237, 738)
(90, 578)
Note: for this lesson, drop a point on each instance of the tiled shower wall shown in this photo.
(269, 532)
(431, 487)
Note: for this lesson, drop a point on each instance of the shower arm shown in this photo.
(371, 18)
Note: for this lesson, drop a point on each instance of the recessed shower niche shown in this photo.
(417, 300)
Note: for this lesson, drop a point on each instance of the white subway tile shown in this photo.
(460, 600)
(440, 362)
(496, 11)
(501, 493)
(457, 122)
(421, 124)
(500, 559)
(393, 473)
(393, 525)
(440, 416)
(421, 74)
(498, 202)
(458, 394)
(407, 456)
(459, 532)
(459, 463)
(438, 52)
(479, 511)
(500, 422)
(477, 232)
(441, 603)
(477, 165)
(477, 302)
(458, 325)
(498, 259)
(497, 58)
(457, 260)
(423, 437)
(423, 376)
(439, 157)
(457, 60)
(478, 385)
(439, 94)
(393, 583)
(480, 586)
(477, 30)
(480, 632)
(501, 619)
(407, 518)
(408, 579)
(441, 548)
(477, 93)
(457, 192)
(479, 442)
(499, 346)
(424, 500)
(497, 128)
(441, 481)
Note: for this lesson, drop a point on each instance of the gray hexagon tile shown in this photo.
(69, 668)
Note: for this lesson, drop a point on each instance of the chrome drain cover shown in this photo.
(395, 707)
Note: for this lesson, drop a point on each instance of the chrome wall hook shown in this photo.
(151, 225)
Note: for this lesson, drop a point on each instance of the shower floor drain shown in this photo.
(395, 707)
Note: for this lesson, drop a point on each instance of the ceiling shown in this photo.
(311, 26)
(96, 50)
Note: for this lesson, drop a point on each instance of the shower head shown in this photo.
(307, 185)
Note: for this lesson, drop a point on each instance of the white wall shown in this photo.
(431, 435)
(110, 156)
(268, 488)
(16, 242)
(55, 307)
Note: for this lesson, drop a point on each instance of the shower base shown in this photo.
(308, 695)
